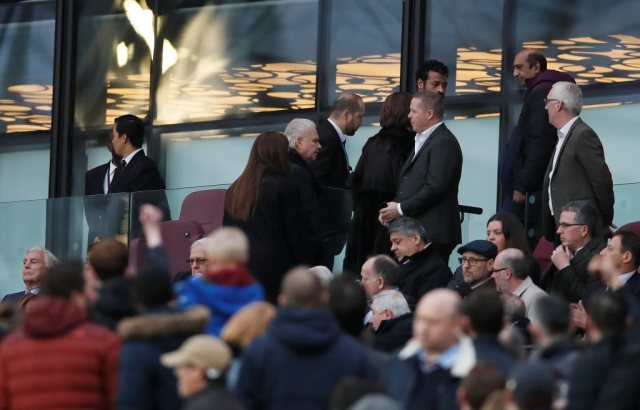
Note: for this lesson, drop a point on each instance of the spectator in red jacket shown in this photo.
(57, 358)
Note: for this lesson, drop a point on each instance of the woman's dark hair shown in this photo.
(270, 152)
(514, 233)
(395, 111)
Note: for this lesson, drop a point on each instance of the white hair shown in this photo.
(202, 242)
(569, 94)
(229, 244)
(391, 300)
(323, 273)
(49, 258)
(297, 128)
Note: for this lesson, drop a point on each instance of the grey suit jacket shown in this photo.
(428, 188)
(581, 173)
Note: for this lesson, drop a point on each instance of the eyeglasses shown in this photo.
(471, 261)
(197, 261)
(565, 225)
(497, 270)
(548, 100)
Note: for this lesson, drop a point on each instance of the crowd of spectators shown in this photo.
(263, 321)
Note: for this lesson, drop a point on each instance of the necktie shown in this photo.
(118, 171)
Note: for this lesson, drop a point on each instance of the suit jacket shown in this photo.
(104, 213)
(581, 173)
(330, 166)
(12, 298)
(632, 287)
(141, 174)
(570, 281)
(428, 189)
(94, 179)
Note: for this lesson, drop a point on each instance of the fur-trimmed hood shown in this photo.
(164, 323)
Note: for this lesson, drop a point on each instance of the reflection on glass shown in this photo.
(114, 49)
(595, 43)
(238, 59)
(607, 59)
(474, 57)
(26, 66)
(364, 42)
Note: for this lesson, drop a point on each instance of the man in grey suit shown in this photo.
(577, 169)
(428, 189)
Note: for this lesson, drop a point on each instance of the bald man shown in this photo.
(511, 274)
(427, 372)
(304, 340)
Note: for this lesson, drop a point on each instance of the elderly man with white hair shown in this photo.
(36, 262)
(391, 320)
(577, 169)
(304, 145)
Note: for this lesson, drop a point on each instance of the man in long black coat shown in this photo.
(304, 145)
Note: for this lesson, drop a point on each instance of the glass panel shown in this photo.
(474, 56)
(478, 137)
(616, 126)
(26, 66)
(72, 223)
(115, 45)
(241, 58)
(24, 169)
(198, 158)
(596, 42)
(626, 206)
(365, 45)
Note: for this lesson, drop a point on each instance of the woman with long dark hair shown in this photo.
(265, 204)
(375, 180)
(506, 231)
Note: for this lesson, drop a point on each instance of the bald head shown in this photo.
(436, 324)
(301, 288)
(510, 268)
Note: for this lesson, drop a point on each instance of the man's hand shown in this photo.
(561, 257)
(519, 197)
(578, 315)
(389, 214)
(150, 217)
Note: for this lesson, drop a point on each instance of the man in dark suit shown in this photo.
(567, 274)
(428, 189)
(619, 263)
(577, 169)
(331, 165)
(421, 267)
(34, 265)
(136, 172)
(104, 213)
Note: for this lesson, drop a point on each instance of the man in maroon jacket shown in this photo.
(58, 359)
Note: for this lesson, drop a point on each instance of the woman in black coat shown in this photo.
(375, 181)
(265, 204)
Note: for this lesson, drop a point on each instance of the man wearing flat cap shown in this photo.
(200, 365)
(476, 260)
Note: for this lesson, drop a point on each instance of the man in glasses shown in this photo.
(476, 260)
(567, 274)
(531, 142)
(577, 169)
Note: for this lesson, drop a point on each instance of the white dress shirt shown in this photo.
(420, 139)
(108, 177)
(562, 136)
